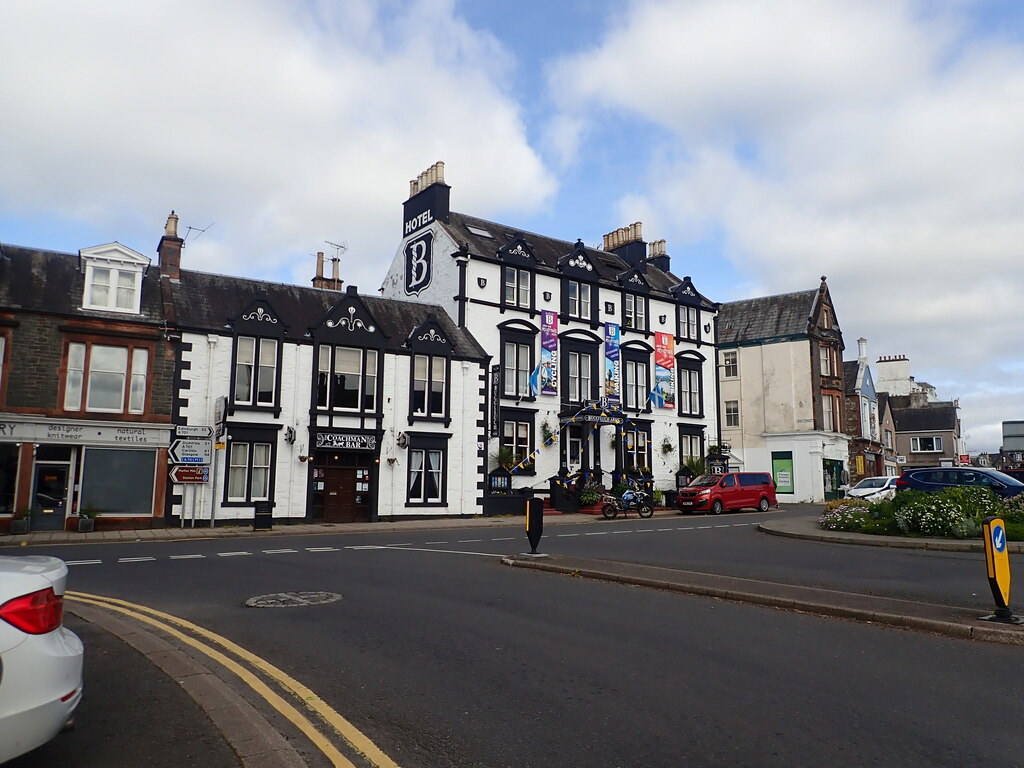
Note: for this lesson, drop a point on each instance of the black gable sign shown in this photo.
(350, 323)
(517, 251)
(258, 319)
(634, 281)
(429, 339)
(577, 263)
(419, 256)
(685, 293)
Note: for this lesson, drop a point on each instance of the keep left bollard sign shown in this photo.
(997, 560)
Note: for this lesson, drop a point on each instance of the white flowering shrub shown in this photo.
(1013, 509)
(845, 517)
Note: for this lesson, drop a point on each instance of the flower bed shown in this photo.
(952, 513)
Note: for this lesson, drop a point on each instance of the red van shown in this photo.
(733, 490)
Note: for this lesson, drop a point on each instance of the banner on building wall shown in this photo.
(495, 426)
(548, 353)
(611, 362)
(664, 368)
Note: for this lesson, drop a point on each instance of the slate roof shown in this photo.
(548, 251)
(766, 317)
(208, 302)
(52, 282)
(850, 370)
(934, 417)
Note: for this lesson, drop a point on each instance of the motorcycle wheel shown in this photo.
(609, 511)
(646, 510)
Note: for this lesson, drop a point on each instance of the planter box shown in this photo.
(86, 524)
(19, 525)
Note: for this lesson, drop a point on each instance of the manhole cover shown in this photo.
(292, 599)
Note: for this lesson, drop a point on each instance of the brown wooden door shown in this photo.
(339, 495)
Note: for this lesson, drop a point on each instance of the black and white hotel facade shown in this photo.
(326, 405)
(602, 362)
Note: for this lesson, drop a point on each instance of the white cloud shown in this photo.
(287, 124)
(860, 140)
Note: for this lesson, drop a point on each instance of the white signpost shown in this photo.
(184, 430)
(191, 451)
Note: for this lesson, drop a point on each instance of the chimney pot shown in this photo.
(319, 263)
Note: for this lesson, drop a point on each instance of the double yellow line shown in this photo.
(168, 623)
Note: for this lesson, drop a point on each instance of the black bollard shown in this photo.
(534, 523)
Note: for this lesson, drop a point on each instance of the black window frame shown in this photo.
(521, 416)
(427, 442)
(689, 364)
(330, 407)
(250, 434)
(577, 346)
(520, 337)
(432, 360)
(638, 300)
(518, 270)
(630, 357)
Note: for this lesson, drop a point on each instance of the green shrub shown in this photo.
(1014, 531)
(1013, 510)
(845, 517)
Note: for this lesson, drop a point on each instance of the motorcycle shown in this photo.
(632, 499)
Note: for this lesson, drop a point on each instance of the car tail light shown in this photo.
(901, 483)
(35, 613)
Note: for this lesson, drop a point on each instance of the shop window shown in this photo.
(118, 481)
(107, 379)
(8, 476)
(346, 378)
(255, 371)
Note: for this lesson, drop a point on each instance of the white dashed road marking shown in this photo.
(83, 562)
(187, 557)
(232, 554)
(135, 559)
(323, 549)
(278, 551)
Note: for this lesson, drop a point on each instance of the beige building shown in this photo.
(781, 389)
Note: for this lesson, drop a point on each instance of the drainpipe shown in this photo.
(211, 342)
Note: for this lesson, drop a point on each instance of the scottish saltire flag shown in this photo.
(535, 381)
(656, 396)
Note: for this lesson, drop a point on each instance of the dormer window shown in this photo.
(113, 278)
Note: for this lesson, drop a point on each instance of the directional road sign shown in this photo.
(189, 430)
(183, 474)
(191, 451)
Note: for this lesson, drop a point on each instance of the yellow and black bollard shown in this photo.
(997, 563)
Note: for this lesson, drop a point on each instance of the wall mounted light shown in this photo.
(305, 458)
(392, 460)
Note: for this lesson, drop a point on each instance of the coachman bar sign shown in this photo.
(348, 441)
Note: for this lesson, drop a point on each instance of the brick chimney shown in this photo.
(169, 249)
(429, 200)
(628, 244)
(332, 283)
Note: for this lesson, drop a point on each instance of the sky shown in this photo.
(878, 142)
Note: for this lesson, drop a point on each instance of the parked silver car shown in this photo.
(873, 489)
(40, 660)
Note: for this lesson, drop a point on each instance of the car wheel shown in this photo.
(763, 504)
(716, 507)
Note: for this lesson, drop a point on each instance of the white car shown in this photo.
(40, 660)
(873, 489)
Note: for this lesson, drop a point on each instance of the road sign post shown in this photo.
(186, 474)
(997, 563)
(191, 451)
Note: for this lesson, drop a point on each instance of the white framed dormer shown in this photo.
(113, 278)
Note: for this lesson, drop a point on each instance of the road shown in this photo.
(444, 657)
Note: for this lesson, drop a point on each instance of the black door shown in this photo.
(50, 497)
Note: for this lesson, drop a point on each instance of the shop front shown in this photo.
(54, 469)
(344, 476)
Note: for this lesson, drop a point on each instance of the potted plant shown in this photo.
(20, 521)
(87, 519)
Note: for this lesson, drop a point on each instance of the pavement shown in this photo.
(946, 620)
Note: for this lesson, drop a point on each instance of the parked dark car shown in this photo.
(1016, 474)
(940, 478)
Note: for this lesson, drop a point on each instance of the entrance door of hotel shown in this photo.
(339, 495)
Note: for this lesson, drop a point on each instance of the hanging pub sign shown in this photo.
(418, 263)
(549, 353)
(611, 362)
(348, 441)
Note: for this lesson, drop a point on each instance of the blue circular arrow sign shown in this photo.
(998, 538)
